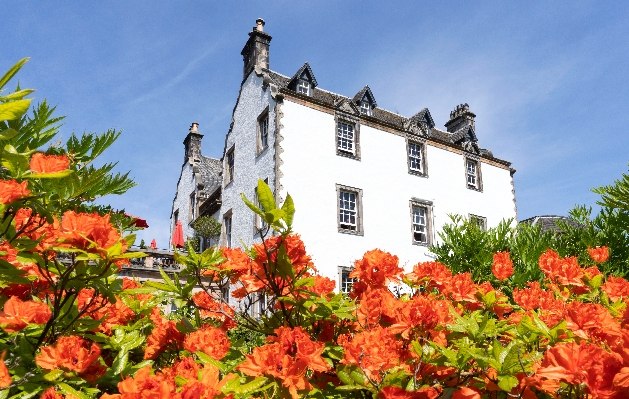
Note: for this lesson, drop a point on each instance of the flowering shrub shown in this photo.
(70, 328)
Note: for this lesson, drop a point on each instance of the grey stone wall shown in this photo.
(249, 166)
(185, 187)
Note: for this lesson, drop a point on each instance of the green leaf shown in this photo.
(53, 375)
(273, 216)
(507, 382)
(120, 362)
(68, 390)
(265, 196)
(8, 134)
(251, 205)
(289, 210)
(12, 71)
(205, 359)
(14, 109)
(250, 387)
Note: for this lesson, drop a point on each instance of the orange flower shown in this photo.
(5, 377)
(376, 306)
(50, 393)
(71, 353)
(10, 191)
(591, 320)
(393, 392)
(187, 369)
(502, 267)
(418, 315)
(322, 286)
(36, 227)
(220, 312)
(211, 341)
(146, 386)
(99, 308)
(86, 231)
(373, 351)
(466, 393)
(565, 271)
(461, 288)
(616, 288)
(41, 163)
(163, 336)
(296, 342)
(18, 314)
(377, 268)
(599, 254)
(434, 274)
(209, 386)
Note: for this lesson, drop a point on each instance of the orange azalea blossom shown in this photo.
(565, 271)
(36, 227)
(616, 288)
(163, 336)
(208, 387)
(502, 267)
(466, 393)
(461, 288)
(377, 268)
(10, 191)
(99, 308)
(295, 250)
(599, 254)
(41, 163)
(211, 341)
(373, 351)
(5, 377)
(185, 368)
(287, 358)
(591, 321)
(50, 393)
(577, 364)
(376, 307)
(322, 286)
(393, 392)
(433, 274)
(533, 297)
(220, 312)
(237, 262)
(18, 314)
(88, 231)
(70, 353)
(416, 317)
(143, 385)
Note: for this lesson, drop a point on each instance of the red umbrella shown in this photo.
(153, 244)
(178, 236)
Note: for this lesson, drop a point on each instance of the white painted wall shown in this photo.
(311, 169)
(248, 167)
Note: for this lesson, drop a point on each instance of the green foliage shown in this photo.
(207, 227)
(615, 196)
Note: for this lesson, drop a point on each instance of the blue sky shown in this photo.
(547, 80)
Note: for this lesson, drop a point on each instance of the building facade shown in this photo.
(361, 177)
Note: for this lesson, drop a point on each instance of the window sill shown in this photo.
(261, 151)
(346, 154)
(350, 232)
(480, 190)
(417, 173)
(421, 244)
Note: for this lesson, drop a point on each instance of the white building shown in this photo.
(361, 177)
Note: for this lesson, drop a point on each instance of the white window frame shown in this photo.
(365, 107)
(230, 161)
(343, 132)
(479, 220)
(426, 207)
(263, 131)
(419, 158)
(228, 228)
(343, 120)
(347, 227)
(304, 86)
(192, 213)
(345, 282)
(473, 174)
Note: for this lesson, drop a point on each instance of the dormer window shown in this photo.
(365, 107)
(303, 87)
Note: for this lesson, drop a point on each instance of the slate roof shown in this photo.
(549, 222)
(210, 170)
(398, 121)
(365, 91)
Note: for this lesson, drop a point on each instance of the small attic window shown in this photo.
(303, 87)
(365, 107)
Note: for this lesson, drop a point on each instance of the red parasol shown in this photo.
(137, 222)
(178, 236)
(153, 244)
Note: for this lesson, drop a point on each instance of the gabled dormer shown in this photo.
(423, 117)
(365, 101)
(303, 82)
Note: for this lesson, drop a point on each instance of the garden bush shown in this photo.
(70, 327)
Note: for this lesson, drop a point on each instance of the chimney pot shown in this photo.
(194, 128)
(260, 25)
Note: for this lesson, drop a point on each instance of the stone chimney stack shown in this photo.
(461, 116)
(192, 144)
(256, 51)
